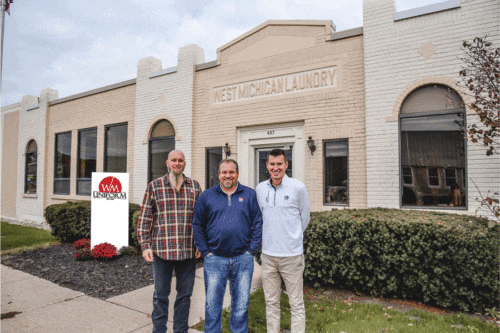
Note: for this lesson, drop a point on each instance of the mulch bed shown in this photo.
(101, 279)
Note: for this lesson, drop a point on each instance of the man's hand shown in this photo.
(197, 254)
(148, 255)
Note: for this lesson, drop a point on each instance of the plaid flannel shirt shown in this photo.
(165, 219)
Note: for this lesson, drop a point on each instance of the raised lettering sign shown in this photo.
(279, 85)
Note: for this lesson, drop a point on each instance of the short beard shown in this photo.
(175, 179)
(227, 186)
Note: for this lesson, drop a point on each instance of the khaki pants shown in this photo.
(291, 270)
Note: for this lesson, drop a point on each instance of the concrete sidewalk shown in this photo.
(46, 307)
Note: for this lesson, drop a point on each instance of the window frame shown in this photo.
(325, 142)
(463, 115)
(55, 164)
(455, 177)
(78, 180)
(438, 176)
(410, 175)
(207, 171)
(105, 160)
(27, 154)
(149, 152)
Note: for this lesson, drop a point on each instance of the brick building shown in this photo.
(368, 117)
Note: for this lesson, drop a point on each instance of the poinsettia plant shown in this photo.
(104, 251)
(83, 243)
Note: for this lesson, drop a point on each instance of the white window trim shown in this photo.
(438, 177)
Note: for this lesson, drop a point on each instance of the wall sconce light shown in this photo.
(311, 145)
(227, 150)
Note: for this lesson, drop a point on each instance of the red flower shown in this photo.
(83, 243)
(104, 251)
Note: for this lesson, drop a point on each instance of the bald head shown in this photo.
(176, 162)
(175, 152)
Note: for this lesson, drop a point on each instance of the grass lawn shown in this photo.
(349, 317)
(18, 236)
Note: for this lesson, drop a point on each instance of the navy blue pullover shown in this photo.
(227, 225)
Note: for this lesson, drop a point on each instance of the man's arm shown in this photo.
(199, 228)
(304, 208)
(197, 193)
(256, 236)
(144, 224)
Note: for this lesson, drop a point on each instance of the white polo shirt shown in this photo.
(286, 214)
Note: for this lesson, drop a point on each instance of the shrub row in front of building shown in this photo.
(449, 261)
(70, 221)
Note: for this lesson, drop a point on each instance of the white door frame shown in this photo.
(251, 138)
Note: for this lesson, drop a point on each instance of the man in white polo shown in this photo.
(285, 210)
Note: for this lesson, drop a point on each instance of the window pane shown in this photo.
(336, 172)
(158, 154)
(87, 144)
(61, 186)
(433, 148)
(451, 176)
(214, 156)
(407, 176)
(31, 166)
(116, 149)
(62, 163)
(83, 186)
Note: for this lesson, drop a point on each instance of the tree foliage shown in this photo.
(481, 75)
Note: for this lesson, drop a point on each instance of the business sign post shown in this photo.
(109, 209)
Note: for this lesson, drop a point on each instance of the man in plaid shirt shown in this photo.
(165, 233)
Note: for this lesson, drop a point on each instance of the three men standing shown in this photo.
(227, 228)
(164, 231)
(285, 209)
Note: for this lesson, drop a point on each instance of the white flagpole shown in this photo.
(2, 17)
(1, 37)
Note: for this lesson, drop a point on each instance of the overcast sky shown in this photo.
(76, 46)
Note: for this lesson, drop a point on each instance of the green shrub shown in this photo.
(133, 230)
(70, 221)
(128, 251)
(450, 261)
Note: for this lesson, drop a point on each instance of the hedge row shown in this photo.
(450, 261)
(70, 221)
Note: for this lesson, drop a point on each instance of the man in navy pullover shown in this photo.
(227, 230)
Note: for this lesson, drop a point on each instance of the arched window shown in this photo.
(161, 142)
(31, 166)
(432, 122)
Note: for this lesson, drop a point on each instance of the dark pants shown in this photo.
(162, 272)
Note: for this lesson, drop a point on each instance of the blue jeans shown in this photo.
(239, 271)
(162, 273)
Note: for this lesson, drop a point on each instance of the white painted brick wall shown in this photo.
(177, 108)
(392, 63)
(32, 125)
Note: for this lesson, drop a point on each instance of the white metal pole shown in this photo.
(1, 37)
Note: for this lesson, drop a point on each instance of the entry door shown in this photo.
(261, 159)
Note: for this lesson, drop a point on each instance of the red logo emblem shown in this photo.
(110, 185)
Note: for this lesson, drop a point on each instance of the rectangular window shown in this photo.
(433, 176)
(115, 149)
(31, 166)
(336, 154)
(433, 146)
(62, 165)
(213, 158)
(451, 176)
(159, 148)
(407, 176)
(87, 145)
